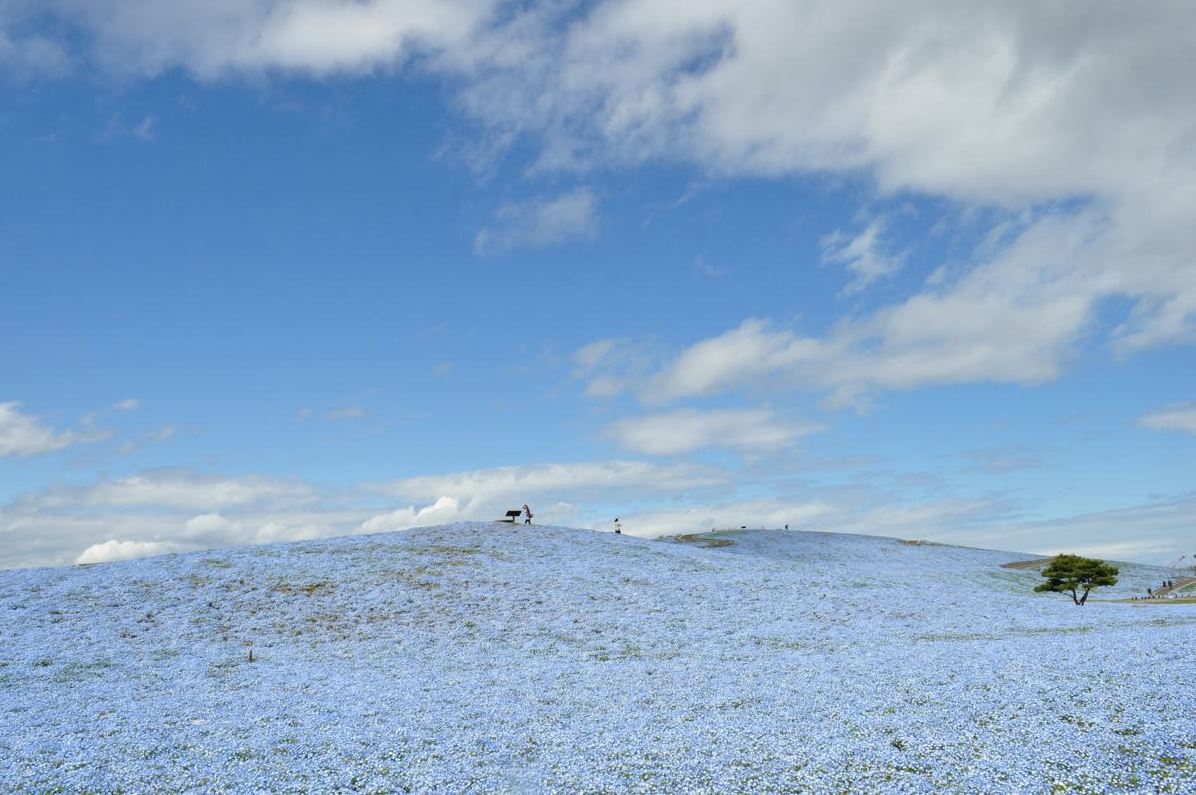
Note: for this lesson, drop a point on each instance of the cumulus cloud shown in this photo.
(128, 404)
(114, 550)
(25, 435)
(1016, 318)
(1180, 417)
(540, 222)
(688, 430)
(443, 511)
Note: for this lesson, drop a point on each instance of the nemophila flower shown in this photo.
(459, 659)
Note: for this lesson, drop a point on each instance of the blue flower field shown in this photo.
(486, 657)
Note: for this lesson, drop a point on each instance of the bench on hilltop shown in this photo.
(512, 515)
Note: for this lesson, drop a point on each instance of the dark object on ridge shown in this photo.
(527, 511)
(512, 515)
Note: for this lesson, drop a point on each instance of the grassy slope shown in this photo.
(489, 657)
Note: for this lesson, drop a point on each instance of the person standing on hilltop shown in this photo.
(618, 527)
(527, 512)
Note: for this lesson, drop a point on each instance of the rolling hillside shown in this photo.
(487, 657)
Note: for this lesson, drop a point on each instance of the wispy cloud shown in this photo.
(29, 54)
(1180, 417)
(863, 254)
(540, 222)
(24, 435)
(610, 366)
(688, 430)
(160, 435)
(703, 266)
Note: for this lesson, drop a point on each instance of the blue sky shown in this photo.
(287, 268)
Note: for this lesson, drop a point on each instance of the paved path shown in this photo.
(1179, 585)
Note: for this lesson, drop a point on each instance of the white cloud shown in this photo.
(26, 435)
(540, 222)
(496, 487)
(159, 436)
(609, 366)
(862, 254)
(188, 490)
(128, 404)
(551, 489)
(589, 357)
(443, 511)
(1156, 532)
(704, 267)
(26, 53)
(1016, 318)
(114, 550)
(1181, 417)
(210, 528)
(188, 510)
(999, 460)
(687, 430)
(316, 37)
(60, 526)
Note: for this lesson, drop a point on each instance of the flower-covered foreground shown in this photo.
(499, 658)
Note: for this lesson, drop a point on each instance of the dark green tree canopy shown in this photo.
(1072, 573)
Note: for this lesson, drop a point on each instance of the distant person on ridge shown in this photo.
(618, 527)
(527, 514)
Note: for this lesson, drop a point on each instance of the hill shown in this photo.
(487, 657)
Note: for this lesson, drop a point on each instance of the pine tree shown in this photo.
(1071, 573)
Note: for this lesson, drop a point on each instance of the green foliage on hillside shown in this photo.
(1072, 573)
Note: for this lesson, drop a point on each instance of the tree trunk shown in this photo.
(1074, 598)
(1084, 598)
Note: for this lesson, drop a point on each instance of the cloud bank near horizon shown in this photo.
(159, 512)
